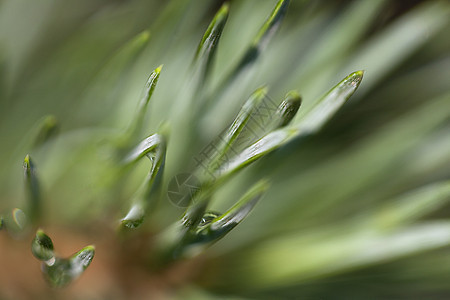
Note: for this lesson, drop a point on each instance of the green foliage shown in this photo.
(312, 122)
(47, 129)
(209, 43)
(42, 246)
(61, 271)
(145, 197)
(32, 187)
(139, 118)
(286, 111)
(261, 39)
(339, 191)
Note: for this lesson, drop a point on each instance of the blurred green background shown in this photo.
(357, 211)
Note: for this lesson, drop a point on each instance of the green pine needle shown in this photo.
(286, 111)
(312, 122)
(209, 43)
(33, 189)
(42, 246)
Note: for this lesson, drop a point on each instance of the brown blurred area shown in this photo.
(113, 274)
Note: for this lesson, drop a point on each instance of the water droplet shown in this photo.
(208, 217)
(19, 218)
(134, 218)
(50, 262)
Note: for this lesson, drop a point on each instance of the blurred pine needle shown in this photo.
(342, 192)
